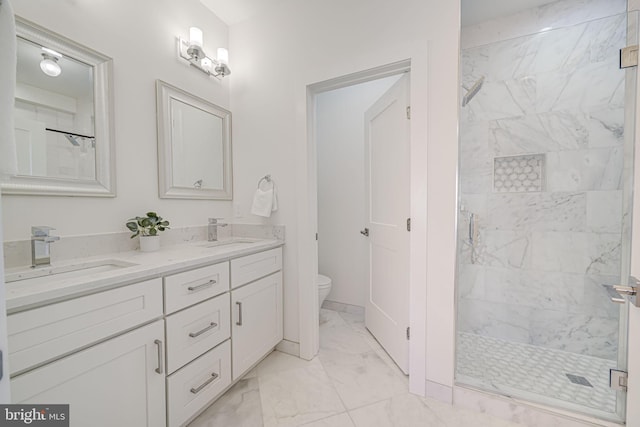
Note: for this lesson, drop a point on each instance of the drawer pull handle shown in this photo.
(160, 351)
(197, 390)
(211, 326)
(209, 284)
(239, 322)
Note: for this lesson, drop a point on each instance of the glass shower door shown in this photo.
(545, 187)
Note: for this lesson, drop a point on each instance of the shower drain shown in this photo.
(577, 379)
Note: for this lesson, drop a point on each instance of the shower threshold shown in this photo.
(537, 374)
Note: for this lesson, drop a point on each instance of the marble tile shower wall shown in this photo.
(533, 272)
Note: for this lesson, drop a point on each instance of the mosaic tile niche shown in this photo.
(518, 174)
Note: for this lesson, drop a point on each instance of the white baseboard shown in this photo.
(342, 307)
(439, 392)
(289, 347)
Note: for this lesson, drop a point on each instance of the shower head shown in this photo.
(473, 91)
(72, 139)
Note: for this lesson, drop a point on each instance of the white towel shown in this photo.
(8, 159)
(265, 201)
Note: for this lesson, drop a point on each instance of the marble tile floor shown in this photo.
(536, 373)
(352, 382)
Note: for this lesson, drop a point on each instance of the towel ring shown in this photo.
(264, 178)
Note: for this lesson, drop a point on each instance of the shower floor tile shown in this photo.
(524, 370)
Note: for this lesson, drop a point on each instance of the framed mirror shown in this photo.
(63, 117)
(194, 146)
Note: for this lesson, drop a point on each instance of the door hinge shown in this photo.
(409, 112)
(618, 379)
(408, 333)
(316, 236)
(629, 56)
(408, 224)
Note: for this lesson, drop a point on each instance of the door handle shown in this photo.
(618, 293)
(196, 390)
(239, 304)
(202, 331)
(614, 295)
(365, 232)
(160, 351)
(209, 284)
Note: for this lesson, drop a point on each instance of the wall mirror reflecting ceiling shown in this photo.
(63, 128)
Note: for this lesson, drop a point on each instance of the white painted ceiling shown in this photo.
(76, 79)
(473, 11)
(234, 11)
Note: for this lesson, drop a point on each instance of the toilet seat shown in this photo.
(323, 281)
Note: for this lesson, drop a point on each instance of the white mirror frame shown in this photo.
(166, 188)
(105, 183)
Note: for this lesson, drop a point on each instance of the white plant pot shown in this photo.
(149, 243)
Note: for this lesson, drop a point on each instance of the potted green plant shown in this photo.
(148, 227)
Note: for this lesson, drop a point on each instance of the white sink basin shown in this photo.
(234, 241)
(44, 274)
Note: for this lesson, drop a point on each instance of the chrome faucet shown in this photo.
(212, 229)
(40, 240)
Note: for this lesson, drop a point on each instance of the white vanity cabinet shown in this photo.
(154, 353)
(257, 311)
(78, 352)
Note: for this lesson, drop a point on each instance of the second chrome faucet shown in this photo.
(40, 240)
(212, 229)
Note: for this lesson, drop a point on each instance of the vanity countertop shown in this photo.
(27, 294)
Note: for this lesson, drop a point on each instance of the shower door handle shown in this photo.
(614, 295)
(618, 293)
(365, 232)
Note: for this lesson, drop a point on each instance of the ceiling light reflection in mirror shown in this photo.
(54, 114)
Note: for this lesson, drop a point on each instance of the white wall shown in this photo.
(140, 36)
(275, 56)
(342, 250)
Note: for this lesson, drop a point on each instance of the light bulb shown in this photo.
(195, 36)
(223, 56)
(49, 65)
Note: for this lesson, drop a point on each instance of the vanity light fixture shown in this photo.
(192, 50)
(49, 64)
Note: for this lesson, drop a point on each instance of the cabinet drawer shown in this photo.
(188, 288)
(252, 267)
(42, 334)
(197, 329)
(193, 387)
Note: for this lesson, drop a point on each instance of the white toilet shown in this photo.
(324, 287)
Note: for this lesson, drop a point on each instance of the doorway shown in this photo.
(359, 157)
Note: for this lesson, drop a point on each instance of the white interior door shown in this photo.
(387, 205)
